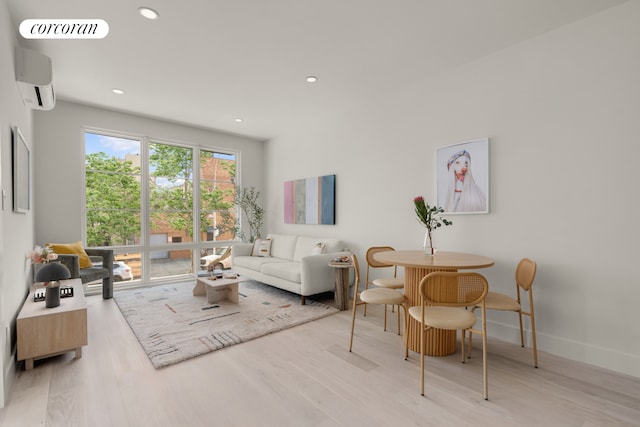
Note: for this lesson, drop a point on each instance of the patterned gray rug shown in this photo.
(172, 325)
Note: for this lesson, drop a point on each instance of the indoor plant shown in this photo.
(430, 217)
(247, 200)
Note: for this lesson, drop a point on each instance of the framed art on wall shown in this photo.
(463, 177)
(310, 200)
(21, 172)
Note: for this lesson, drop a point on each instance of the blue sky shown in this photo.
(112, 146)
(119, 147)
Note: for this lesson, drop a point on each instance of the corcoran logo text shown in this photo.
(64, 29)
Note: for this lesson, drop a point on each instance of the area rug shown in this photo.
(172, 325)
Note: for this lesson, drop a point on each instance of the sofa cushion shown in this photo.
(307, 246)
(90, 274)
(290, 271)
(261, 247)
(254, 262)
(283, 245)
(73, 249)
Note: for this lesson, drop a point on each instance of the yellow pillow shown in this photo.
(73, 249)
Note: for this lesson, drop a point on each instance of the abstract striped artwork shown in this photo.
(310, 200)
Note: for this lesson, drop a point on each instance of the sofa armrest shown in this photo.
(105, 254)
(240, 249)
(107, 262)
(316, 274)
(72, 262)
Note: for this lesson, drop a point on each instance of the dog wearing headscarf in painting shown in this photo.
(464, 195)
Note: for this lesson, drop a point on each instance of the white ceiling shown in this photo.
(206, 62)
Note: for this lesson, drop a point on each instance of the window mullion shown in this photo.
(145, 210)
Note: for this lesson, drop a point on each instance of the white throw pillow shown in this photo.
(318, 249)
(261, 247)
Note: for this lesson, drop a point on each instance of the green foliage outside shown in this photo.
(113, 200)
(113, 195)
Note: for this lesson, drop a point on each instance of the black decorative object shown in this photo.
(52, 296)
(50, 274)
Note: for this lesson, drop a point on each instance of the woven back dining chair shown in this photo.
(444, 298)
(374, 296)
(392, 282)
(525, 274)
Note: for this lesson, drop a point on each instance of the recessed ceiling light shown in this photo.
(311, 79)
(117, 91)
(238, 120)
(148, 13)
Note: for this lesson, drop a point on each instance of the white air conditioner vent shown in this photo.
(34, 75)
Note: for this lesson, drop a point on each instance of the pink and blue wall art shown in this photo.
(310, 200)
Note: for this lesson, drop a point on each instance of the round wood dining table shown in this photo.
(417, 264)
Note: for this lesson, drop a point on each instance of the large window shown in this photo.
(140, 201)
(113, 191)
(217, 189)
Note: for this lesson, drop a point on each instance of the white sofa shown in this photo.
(293, 265)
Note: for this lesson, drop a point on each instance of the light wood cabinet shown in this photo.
(44, 332)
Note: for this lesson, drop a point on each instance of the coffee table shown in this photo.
(218, 289)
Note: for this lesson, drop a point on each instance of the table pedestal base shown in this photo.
(341, 294)
(342, 288)
(438, 342)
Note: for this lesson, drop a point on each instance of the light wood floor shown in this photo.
(305, 376)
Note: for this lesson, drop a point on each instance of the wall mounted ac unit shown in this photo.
(34, 75)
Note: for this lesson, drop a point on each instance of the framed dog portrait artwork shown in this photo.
(463, 177)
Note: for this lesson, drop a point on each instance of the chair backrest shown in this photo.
(453, 288)
(373, 263)
(525, 273)
(374, 250)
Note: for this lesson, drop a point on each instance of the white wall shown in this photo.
(59, 156)
(16, 230)
(561, 111)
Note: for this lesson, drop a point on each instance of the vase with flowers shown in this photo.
(430, 217)
(42, 255)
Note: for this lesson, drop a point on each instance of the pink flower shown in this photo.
(42, 254)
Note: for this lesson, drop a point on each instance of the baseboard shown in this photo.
(8, 379)
(606, 358)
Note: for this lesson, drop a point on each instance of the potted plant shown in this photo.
(247, 200)
(430, 217)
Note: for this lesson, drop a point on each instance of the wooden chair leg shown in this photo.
(533, 337)
(484, 365)
(385, 317)
(422, 359)
(353, 320)
(405, 337)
